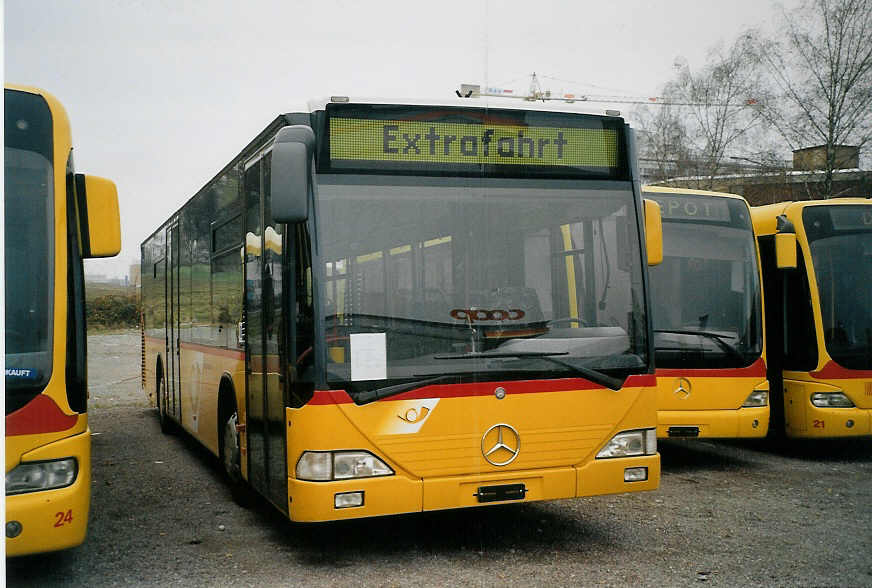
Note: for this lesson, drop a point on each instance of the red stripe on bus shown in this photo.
(833, 371)
(755, 370)
(236, 353)
(325, 397)
(40, 415)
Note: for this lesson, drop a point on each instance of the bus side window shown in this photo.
(77, 377)
(800, 341)
(302, 309)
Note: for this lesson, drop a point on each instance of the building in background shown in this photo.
(802, 179)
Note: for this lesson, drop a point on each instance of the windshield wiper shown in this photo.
(368, 396)
(591, 374)
(718, 339)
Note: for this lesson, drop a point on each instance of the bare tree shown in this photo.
(821, 68)
(722, 102)
(663, 143)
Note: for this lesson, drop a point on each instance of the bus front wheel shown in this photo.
(229, 454)
(166, 426)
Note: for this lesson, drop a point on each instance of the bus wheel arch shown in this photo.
(166, 425)
(229, 446)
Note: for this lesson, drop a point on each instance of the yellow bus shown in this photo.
(368, 310)
(817, 273)
(53, 218)
(708, 321)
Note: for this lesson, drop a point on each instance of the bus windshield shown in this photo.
(29, 246)
(504, 279)
(840, 239)
(706, 292)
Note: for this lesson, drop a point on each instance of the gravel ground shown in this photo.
(727, 514)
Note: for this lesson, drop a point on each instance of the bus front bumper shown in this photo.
(51, 520)
(822, 423)
(744, 423)
(322, 501)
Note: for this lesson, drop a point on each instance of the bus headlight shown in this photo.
(831, 400)
(756, 398)
(41, 475)
(324, 466)
(630, 443)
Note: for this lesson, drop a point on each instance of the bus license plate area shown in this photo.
(683, 431)
(500, 493)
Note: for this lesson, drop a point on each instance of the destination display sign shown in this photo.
(851, 218)
(828, 220)
(465, 139)
(688, 207)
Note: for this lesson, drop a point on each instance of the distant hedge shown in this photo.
(113, 310)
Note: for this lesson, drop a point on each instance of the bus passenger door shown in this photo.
(274, 351)
(268, 471)
(254, 335)
(173, 375)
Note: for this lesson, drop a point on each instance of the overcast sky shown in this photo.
(161, 94)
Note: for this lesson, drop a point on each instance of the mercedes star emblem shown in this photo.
(500, 444)
(682, 388)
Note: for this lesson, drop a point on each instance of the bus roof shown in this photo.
(482, 102)
(764, 217)
(665, 190)
(293, 116)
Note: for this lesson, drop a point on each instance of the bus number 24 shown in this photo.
(63, 518)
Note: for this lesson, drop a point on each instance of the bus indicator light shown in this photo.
(757, 398)
(636, 474)
(348, 499)
(831, 400)
(43, 475)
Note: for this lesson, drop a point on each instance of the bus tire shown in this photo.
(229, 452)
(166, 425)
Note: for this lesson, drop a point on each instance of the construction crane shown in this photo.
(536, 93)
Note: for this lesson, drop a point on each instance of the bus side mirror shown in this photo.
(653, 232)
(785, 250)
(100, 225)
(290, 177)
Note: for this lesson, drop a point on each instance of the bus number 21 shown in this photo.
(63, 518)
(818, 424)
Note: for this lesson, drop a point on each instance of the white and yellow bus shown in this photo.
(708, 318)
(382, 307)
(817, 272)
(53, 218)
